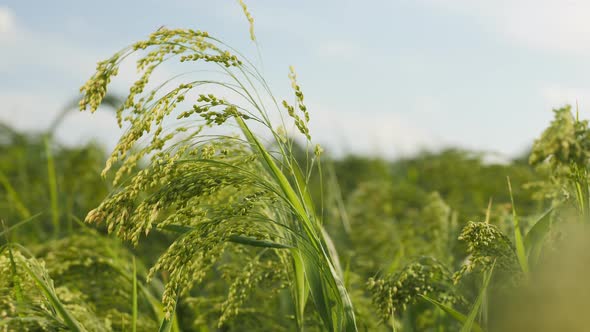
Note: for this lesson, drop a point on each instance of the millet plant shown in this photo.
(213, 190)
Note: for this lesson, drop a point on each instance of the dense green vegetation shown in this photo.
(189, 228)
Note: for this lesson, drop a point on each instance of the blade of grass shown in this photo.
(47, 290)
(257, 243)
(20, 223)
(459, 317)
(302, 188)
(134, 314)
(232, 238)
(18, 292)
(155, 304)
(158, 309)
(168, 323)
(470, 321)
(579, 180)
(301, 288)
(489, 210)
(518, 240)
(23, 212)
(336, 192)
(15, 280)
(323, 280)
(52, 178)
(534, 238)
(332, 251)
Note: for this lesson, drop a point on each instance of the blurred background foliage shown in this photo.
(395, 222)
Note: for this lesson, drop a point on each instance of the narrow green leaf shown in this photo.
(470, 321)
(301, 289)
(157, 307)
(518, 240)
(14, 197)
(257, 243)
(302, 186)
(17, 285)
(232, 238)
(332, 251)
(277, 174)
(167, 324)
(329, 295)
(52, 178)
(461, 318)
(534, 238)
(20, 223)
(18, 292)
(319, 293)
(134, 314)
(47, 290)
(489, 210)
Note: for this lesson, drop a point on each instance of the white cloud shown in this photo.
(557, 96)
(339, 49)
(7, 21)
(31, 109)
(79, 127)
(23, 110)
(554, 25)
(550, 24)
(387, 134)
(23, 47)
(29, 49)
(36, 111)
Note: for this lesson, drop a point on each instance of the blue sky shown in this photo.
(388, 77)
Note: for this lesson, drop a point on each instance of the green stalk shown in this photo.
(52, 179)
(321, 276)
(14, 197)
(470, 321)
(459, 317)
(47, 290)
(518, 238)
(134, 301)
(168, 323)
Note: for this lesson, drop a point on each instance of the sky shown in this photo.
(380, 77)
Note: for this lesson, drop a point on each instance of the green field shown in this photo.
(217, 211)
